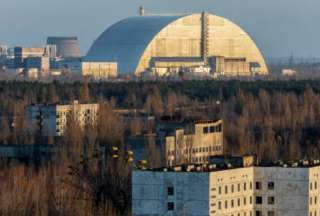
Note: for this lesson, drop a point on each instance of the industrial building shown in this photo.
(51, 120)
(66, 47)
(163, 45)
(99, 70)
(227, 189)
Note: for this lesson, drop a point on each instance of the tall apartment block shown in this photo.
(228, 190)
(51, 120)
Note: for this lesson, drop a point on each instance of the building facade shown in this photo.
(66, 47)
(99, 70)
(237, 191)
(194, 144)
(51, 120)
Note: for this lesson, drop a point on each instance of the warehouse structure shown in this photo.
(165, 45)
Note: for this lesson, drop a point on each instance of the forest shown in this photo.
(276, 120)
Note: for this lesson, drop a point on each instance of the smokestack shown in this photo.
(141, 11)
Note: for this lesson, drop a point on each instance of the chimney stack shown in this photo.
(141, 11)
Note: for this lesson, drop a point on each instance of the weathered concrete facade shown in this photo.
(204, 140)
(246, 191)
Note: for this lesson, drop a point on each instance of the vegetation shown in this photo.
(273, 119)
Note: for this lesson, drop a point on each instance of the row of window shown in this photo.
(249, 213)
(212, 129)
(199, 150)
(233, 203)
(258, 186)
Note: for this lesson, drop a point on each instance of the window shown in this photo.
(232, 188)
(315, 200)
(244, 186)
(258, 185)
(271, 213)
(250, 199)
(258, 200)
(258, 213)
(271, 185)
(244, 201)
(271, 200)
(226, 189)
(219, 190)
(226, 204)
(219, 205)
(170, 206)
(205, 130)
(212, 129)
(232, 203)
(170, 191)
(238, 201)
(250, 185)
(315, 185)
(238, 187)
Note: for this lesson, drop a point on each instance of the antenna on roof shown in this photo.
(141, 11)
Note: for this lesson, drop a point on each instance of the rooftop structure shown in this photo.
(225, 189)
(144, 43)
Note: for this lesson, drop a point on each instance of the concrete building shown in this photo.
(3, 50)
(228, 190)
(66, 47)
(40, 63)
(159, 44)
(51, 120)
(21, 53)
(99, 70)
(194, 143)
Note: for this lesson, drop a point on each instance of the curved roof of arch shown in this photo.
(125, 41)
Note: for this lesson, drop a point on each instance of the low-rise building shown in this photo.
(51, 120)
(228, 190)
(195, 142)
(99, 70)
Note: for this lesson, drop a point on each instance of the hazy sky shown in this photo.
(280, 27)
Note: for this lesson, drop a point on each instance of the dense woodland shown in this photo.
(273, 119)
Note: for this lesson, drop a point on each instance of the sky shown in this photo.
(281, 28)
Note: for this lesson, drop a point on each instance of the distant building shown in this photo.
(226, 190)
(99, 70)
(21, 53)
(51, 120)
(194, 143)
(50, 51)
(289, 72)
(3, 50)
(31, 73)
(164, 44)
(40, 63)
(66, 47)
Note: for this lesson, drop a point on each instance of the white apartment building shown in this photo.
(194, 144)
(52, 119)
(235, 191)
